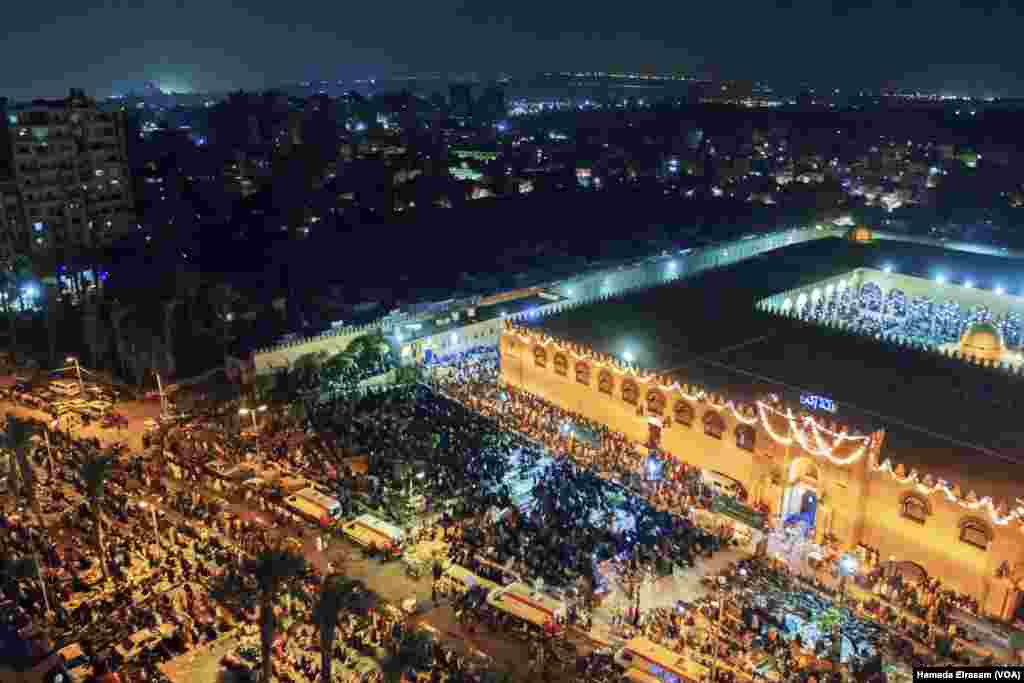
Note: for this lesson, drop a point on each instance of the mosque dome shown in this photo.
(860, 234)
(982, 341)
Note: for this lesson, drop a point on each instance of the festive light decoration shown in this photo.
(798, 431)
(804, 430)
(814, 442)
(998, 514)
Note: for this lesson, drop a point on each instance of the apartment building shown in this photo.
(69, 163)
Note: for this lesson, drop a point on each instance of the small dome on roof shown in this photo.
(982, 341)
(860, 234)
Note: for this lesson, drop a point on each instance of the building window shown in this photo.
(540, 357)
(746, 437)
(583, 373)
(605, 382)
(915, 509)
(684, 413)
(561, 365)
(630, 393)
(975, 532)
(714, 425)
(655, 402)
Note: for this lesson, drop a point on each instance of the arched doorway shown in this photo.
(801, 497)
(809, 504)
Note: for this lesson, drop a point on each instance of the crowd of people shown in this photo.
(518, 489)
(149, 578)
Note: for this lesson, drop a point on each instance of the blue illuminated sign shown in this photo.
(815, 402)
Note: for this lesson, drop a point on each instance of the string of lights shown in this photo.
(999, 516)
(804, 430)
(815, 445)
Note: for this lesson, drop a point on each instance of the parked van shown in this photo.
(329, 504)
(367, 530)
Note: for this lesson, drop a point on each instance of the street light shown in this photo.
(156, 528)
(848, 565)
(252, 411)
(720, 628)
(78, 370)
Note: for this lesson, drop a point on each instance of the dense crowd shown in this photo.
(519, 489)
(920, 318)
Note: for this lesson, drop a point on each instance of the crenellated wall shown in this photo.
(861, 492)
(761, 465)
(936, 543)
(584, 288)
(333, 342)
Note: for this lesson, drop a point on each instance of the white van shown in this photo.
(330, 505)
(367, 530)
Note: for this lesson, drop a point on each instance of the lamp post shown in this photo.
(848, 565)
(78, 371)
(720, 631)
(160, 388)
(253, 411)
(156, 528)
(49, 452)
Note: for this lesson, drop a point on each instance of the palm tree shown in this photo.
(272, 570)
(17, 272)
(14, 569)
(335, 594)
(95, 472)
(17, 439)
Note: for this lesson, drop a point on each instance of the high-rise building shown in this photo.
(12, 219)
(70, 167)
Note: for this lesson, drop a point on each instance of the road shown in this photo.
(388, 580)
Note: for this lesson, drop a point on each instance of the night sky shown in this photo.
(109, 46)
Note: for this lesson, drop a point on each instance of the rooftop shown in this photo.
(939, 414)
(426, 328)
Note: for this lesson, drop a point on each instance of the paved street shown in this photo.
(388, 580)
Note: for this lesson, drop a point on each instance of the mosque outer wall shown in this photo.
(587, 286)
(862, 504)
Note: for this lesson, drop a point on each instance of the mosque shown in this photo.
(890, 443)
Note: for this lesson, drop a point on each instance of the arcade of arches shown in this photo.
(913, 309)
(844, 486)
